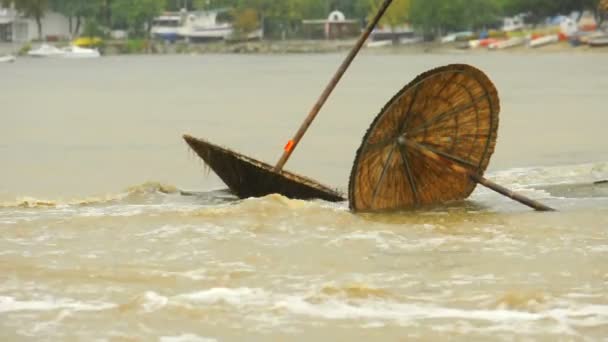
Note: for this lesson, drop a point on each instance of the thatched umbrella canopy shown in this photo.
(247, 177)
(446, 114)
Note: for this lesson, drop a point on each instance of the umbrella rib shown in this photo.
(379, 145)
(384, 170)
(410, 176)
(446, 114)
(445, 155)
(447, 83)
(408, 114)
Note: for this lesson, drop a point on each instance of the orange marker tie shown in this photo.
(289, 146)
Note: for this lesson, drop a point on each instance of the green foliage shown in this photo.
(134, 46)
(24, 49)
(75, 8)
(283, 17)
(246, 21)
(92, 28)
(542, 8)
(136, 15)
(397, 14)
(439, 16)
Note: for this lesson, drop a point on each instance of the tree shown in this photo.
(539, 9)
(136, 15)
(246, 21)
(396, 15)
(30, 9)
(434, 17)
(77, 9)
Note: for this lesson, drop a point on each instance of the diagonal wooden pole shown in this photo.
(293, 143)
(457, 167)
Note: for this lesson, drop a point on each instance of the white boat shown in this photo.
(410, 41)
(379, 43)
(205, 26)
(46, 50)
(546, 40)
(74, 51)
(166, 26)
(600, 41)
(7, 59)
(450, 38)
(509, 43)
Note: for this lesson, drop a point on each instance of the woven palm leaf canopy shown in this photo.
(247, 177)
(430, 144)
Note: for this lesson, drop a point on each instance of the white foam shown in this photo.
(236, 297)
(152, 301)
(561, 319)
(9, 304)
(393, 311)
(186, 338)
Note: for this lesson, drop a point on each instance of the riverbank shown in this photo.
(112, 48)
(333, 46)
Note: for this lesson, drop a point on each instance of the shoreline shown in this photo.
(118, 48)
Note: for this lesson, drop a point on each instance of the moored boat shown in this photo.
(544, 40)
(379, 43)
(7, 59)
(487, 42)
(600, 41)
(509, 43)
(454, 37)
(79, 52)
(46, 50)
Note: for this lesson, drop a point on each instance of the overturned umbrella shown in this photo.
(248, 177)
(430, 144)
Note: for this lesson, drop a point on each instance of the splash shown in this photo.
(152, 188)
(134, 193)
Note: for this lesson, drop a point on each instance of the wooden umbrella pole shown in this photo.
(455, 166)
(293, 143)
(511, 194)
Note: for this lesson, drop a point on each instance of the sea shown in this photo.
(111, 229)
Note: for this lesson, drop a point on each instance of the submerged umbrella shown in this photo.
(248, 177)
(430, 144)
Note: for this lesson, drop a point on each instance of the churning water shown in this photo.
(88, 254)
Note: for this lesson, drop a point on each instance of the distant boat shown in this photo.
(598, 41)
(74, 51)
(487, 42)
(212, 25)
(46, 50)
(509, 43)
(7, 59)
(473, 44)
(545, 40)
(392, 33)
(379, 43)
(166, 26)
(450, 38)
(409, 41)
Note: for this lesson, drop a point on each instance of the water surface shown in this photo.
(98, 240)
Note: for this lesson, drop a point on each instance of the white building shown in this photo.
(16, 28)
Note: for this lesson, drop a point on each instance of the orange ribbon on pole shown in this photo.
(289, 146)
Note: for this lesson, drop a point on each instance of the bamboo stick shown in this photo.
(511, 194)
(455, 166)
(293, 143)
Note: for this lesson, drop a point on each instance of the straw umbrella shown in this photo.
(430, 144)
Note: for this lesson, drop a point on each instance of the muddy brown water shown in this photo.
(98, 243)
